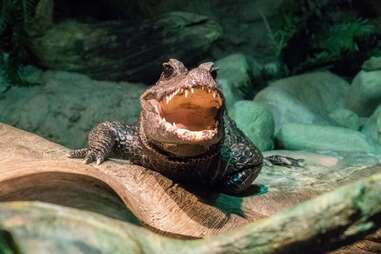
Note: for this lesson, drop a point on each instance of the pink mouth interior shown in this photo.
(195, 112)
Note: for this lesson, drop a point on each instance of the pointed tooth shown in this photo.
(214, 94)
(186, 93)
(192, 90)
(174, 124)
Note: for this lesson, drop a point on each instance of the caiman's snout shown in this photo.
(186, 105)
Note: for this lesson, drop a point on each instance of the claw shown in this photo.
(300, 163)
(267, 163)
(100, 159)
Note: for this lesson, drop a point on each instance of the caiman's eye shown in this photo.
(168, 71)
(213, 72)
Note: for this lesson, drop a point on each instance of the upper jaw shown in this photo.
(190, 103)
(188, 90)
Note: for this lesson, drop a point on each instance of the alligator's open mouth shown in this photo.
(192, 111)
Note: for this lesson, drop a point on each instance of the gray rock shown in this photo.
(242, 21)
(294, 136)
(234, 78)
(256, 122)
(365, 93)
(67, 105)
(373, 64)
(307, 98)
(121, 50)
(328, 165)
(346, 118)
(372, 127)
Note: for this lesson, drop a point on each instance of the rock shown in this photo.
(67, 105)
(373, 64)
(234, 78)
(243, 22)
(346, 118)
(307, 98)
(246, 27)
(121, 50)
(364, 95)
(372, 127)
(256, 122)
(295, 136)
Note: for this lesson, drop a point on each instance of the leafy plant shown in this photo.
(343, 36)
(16, 16)
(339, 41)
(11, 74)
(311, 34)
(287, 30)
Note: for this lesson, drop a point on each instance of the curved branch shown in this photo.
(321, 224)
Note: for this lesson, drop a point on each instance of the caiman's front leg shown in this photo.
(242, 160)
(105, 139)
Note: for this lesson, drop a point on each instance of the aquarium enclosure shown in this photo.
(170, 126)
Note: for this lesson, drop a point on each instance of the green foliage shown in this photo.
(339, 40)
(315, 33)
(285, 32)
(15, 19)
(11, 74)
(298, 13)
(16, 16)
(343, 36)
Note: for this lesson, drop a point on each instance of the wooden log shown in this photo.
(318, 225)
(32, 168)
(120, 50)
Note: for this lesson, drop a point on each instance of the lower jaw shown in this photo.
(185, 150)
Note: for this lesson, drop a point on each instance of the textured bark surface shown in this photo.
(120, 50)
(32, 168)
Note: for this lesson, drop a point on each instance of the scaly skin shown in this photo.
(230, 166)
(224, 160)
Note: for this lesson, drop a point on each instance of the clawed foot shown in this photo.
(283, 161)
(89, 155)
